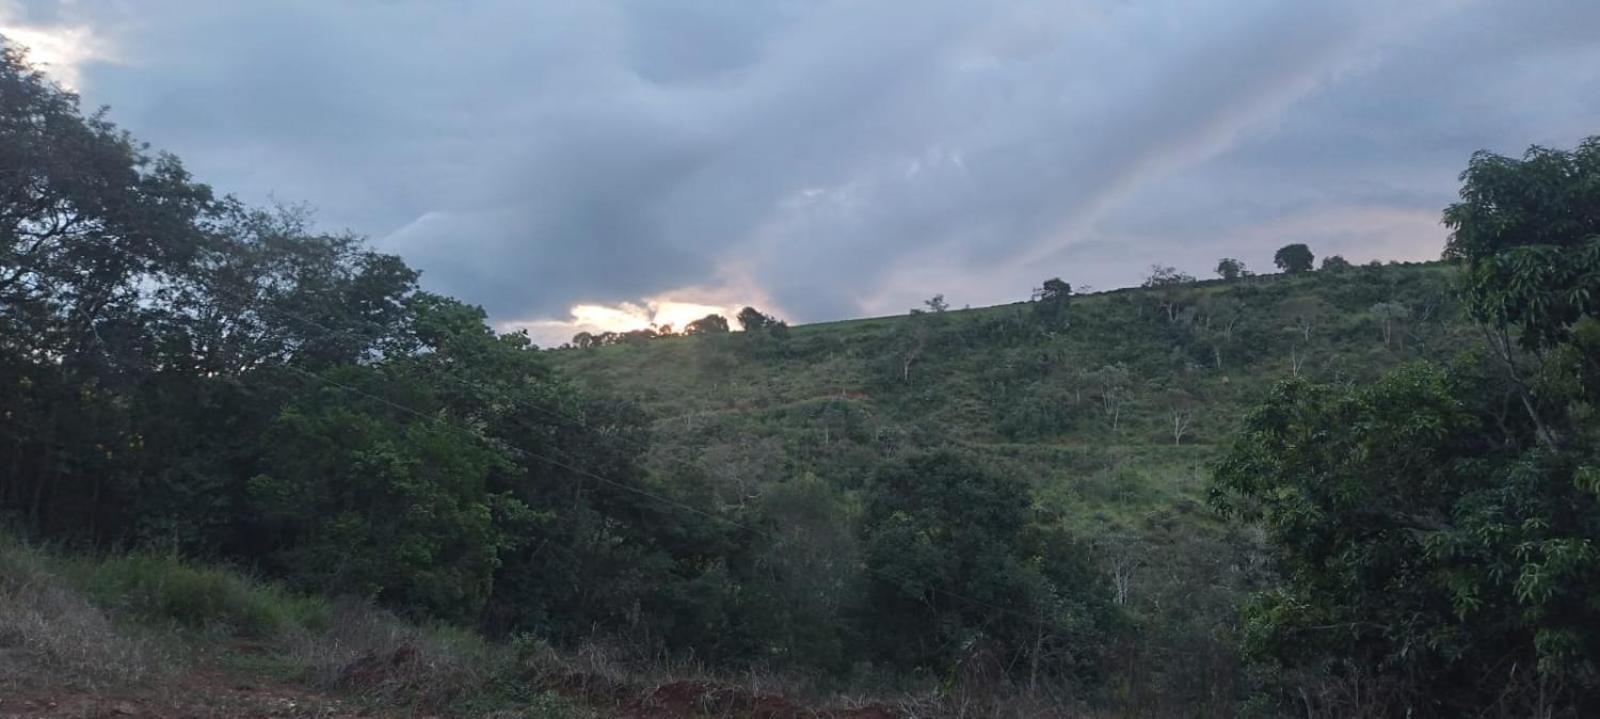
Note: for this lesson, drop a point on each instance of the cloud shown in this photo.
(726, 295)
(829, 158)
(61, 49)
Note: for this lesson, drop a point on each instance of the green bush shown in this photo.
(163, 589)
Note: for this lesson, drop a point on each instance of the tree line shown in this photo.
(752, 321)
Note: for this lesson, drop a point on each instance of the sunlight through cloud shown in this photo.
(60, 50)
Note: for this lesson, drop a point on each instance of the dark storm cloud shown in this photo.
(842, 157)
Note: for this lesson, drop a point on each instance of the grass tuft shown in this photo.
(157, 588)
(49, 633)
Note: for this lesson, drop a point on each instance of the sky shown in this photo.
(604, 164)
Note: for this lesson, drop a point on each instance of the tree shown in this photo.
(758, 325)
(912, 337)
(709, 324)
(1220, 315)
(1433, 538)
(1180, 413)
(1230, 269)
(1294, 259)
(1305, 313)
(936, 304)
(948, 543)
(1530, 240)
(1164, 276)
(741, 471)
(1052, 290)
(1390, 315)
(1173, 293)
(753, 320)
(359, 503)
(1051, 301)
(1113, 386)
(1335, 263)
(1418, 558)
(1042, 409)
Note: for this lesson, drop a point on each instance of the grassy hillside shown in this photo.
(1112, 413)
(1117, 408)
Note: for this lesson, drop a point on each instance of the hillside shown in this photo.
(1117, 407)
(1112, 411)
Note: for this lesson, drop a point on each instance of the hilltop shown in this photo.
(1155, 378)
(1112, 409)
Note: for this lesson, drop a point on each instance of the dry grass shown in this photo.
(94, 624)
(50, 633)
(377, 655)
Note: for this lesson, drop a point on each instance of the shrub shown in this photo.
(163, 589)
(45, 625)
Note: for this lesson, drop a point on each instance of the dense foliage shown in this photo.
(1103, 410)
(1294, 258)
(953, 561)
(1438, 529)
(183, 371)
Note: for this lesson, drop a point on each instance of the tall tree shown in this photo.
(709, 324)
(954, 564)
(1293, 259)
(754, 320)
(1439, 547)
(1173, 291)
(1052, 300)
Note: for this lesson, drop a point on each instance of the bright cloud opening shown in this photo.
(657, 312)
(60, 50)
(628, 316)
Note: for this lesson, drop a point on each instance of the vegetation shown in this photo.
(1294, 258)
(1437, 528)
(1103, 411)
(1361, 490)
(180, 371)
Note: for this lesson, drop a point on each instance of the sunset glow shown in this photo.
(657, 313)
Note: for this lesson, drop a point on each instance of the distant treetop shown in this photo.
(1163, 276)
(708, 324)
(1229, 268)
(1294, 259)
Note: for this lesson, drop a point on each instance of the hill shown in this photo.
(1112, 411)
(1143, 383)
